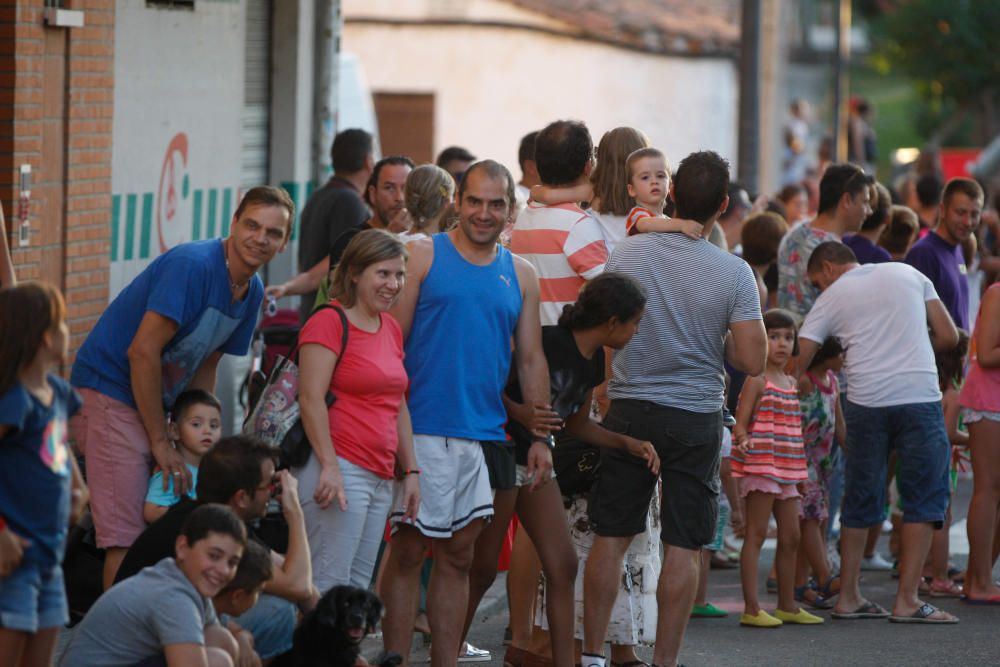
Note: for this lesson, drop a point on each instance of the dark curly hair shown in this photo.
(606, 296)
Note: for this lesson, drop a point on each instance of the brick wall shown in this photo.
(56, 104)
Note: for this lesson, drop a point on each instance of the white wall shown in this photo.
(493, 85)
(178, 86)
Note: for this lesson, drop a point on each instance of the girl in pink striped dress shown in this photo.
(768, 461)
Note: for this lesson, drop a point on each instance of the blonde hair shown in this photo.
(429, 193)
(610, 177)
(366, 248)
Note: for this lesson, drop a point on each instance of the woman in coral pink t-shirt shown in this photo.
(346, 486)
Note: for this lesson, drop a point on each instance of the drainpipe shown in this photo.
(325, 73)
(749, 123)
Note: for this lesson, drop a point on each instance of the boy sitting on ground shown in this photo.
(164, 614)
(241, 594)
(195, 426)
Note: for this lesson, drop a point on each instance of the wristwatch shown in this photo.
(549, 441)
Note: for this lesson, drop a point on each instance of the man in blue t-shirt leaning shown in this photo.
(165, 333)
(940, 255)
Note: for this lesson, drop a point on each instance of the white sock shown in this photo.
(591, 660)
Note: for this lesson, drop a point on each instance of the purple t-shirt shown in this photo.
(866, 251)
(944, 264)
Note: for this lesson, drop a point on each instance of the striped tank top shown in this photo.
(776, 450)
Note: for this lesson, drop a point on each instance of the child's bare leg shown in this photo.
(39, 648)
(786, 513)
(940, 548)
(522, 588)
(706, 565)
(758, 510)
(871, 543)
(12, 643)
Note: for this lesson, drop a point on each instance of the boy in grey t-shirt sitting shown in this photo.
(164, 615)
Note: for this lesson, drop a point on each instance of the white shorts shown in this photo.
(454, 485)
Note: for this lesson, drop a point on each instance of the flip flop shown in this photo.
(923, 615)
(867, 610)
(991, 600)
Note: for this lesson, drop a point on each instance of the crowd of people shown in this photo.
(617, 364)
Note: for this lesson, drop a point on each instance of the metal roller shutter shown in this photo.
(257, 95)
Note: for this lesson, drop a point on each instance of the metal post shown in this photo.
(325, 74)
(749, 137)
(841, 62)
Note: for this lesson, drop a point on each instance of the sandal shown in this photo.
(816, 600)
(868, 609)
(514, 656)
(945, 589)
(924, 614)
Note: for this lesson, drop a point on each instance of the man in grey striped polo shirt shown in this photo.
(667, 387)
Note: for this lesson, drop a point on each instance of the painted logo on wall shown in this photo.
(173, 206)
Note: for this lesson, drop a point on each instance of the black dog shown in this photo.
(330, 635)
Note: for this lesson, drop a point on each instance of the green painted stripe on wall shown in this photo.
(116, 214)
(129, 227)
(196, 215)
(213, 201)
(145, 232)
(227, 210)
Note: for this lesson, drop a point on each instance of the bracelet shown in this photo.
(411, 471)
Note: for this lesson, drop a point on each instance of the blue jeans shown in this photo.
(272, 623)
(916, 431)
(343, 545)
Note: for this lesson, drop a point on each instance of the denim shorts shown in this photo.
(33, 598)
(688, 444)
(916, 431)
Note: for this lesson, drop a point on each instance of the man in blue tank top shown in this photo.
(466, 300)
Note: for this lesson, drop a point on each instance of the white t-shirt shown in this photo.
(879, 313)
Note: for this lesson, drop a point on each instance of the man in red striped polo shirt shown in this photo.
(562, 241)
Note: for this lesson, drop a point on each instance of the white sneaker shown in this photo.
(472, 654)
(875, 562)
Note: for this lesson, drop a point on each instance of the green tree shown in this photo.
(949, 48)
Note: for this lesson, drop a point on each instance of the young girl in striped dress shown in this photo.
(768, 461)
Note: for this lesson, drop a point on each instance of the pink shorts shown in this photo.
(115, 447)
(765, 485)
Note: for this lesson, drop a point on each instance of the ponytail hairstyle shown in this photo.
(429, 193)
(951, 363)
(777, 318)
(28, 311)
(606, 296)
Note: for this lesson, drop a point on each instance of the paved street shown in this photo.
(724, 642)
